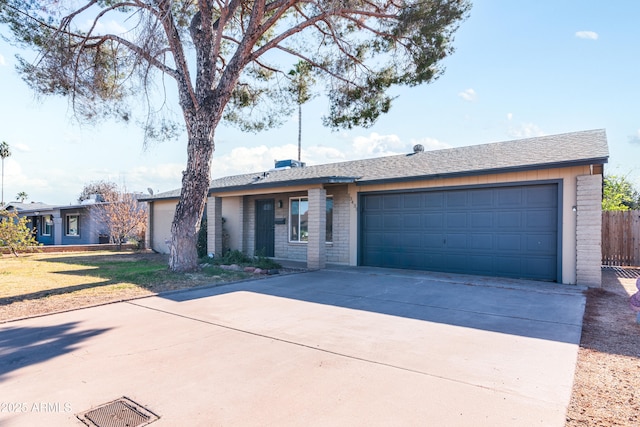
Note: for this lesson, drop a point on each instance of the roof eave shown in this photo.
(288, 183)
(583, 162)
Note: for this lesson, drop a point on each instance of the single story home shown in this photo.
(62, 225)
(528, 208)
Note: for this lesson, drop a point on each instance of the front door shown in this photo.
(265, 226)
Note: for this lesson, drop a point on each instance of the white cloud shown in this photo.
(329, 154)
(16, 180)
(509, 116)
(2, 60)
(24, 148)
(468, 95)
(108, 27)
(261, 158)
(525, 130)
(635, 138)
(430, 144)
(376, 145)
(251, 159)
(588, 35)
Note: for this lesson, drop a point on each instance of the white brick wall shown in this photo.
(588, 230)
(214, 225)
(316, 246)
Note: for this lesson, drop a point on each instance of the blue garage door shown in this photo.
(507, 231)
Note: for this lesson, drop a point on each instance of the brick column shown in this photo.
(589, 230)
(214, 226)
(316, 245)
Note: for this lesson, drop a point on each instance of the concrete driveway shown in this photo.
(337, 347)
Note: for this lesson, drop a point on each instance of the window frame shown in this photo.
(290, 214)
(67, 223)
(46, 227)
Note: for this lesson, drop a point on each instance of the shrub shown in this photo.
(201, 245)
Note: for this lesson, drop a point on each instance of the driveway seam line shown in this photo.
(335, 353)
(484, 313)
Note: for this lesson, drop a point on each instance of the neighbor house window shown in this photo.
(299, 219)
(47, 225)
(72, 225)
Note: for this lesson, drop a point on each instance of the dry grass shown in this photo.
(35, 284)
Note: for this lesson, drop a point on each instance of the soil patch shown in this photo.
(606, 390)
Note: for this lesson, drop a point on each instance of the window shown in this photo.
(71, 226)
(299, 219)
(46, 225)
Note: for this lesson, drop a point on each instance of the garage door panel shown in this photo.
(509, 266)
(539, 267)
(412, 241)
(433, 240)
(481, 220)
(456, 219)
(372, 222)
(539, 196)
(456, 199)
(479, 264)
(412, 201)
(412, 221)
(393, 241)
(482, 198)
(433, 220)
(541, 243)
(393, 202)
(505, 231)
(509, 197)
(509, 242)
(541, 218)
(373, 202)
(456, 241)
(509, 219)
(481, 241)
(433, 259)
(456, 263)
(392, 222)
(433, 200)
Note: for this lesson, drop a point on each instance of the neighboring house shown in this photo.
(528, 208)
(61, 225)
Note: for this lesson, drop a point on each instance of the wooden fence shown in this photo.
(621, 238)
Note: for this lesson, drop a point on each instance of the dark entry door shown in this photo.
(265, 218)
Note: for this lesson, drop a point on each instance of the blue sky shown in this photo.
(521, 69)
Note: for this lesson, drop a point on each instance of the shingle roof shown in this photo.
(586, 147)
(31, 206)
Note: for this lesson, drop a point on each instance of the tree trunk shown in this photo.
(195, 186)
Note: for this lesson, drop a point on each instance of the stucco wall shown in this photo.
(161, 218)
(232, 212)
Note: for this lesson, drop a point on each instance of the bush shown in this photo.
(201, 245)
(233, 257)
(15, 233)
(239, 258)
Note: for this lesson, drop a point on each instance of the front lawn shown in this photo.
(42, 283)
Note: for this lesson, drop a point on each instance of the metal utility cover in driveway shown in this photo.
(507, 231)
(122, 412)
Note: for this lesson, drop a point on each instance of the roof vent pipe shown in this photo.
(418, 148)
